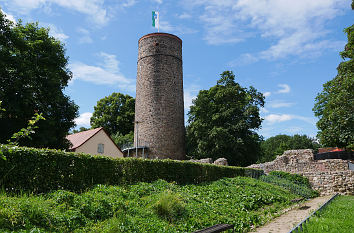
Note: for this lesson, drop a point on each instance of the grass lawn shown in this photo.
(146, 207)
(337, 217)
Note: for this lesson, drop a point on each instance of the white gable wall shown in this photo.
(91, 145)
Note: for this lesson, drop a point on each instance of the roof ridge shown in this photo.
(77, 139)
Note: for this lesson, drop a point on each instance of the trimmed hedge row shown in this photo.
(43, 170)
(295, 178)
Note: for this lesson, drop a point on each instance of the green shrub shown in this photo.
(299, 189)
(294, 178)
(169, 206)
(43, 170)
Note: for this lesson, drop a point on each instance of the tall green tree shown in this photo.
(123, 141)
(81, 129)
(276, 145)
(334, 106)
(33, 75)
(115, 113)
(222, 122)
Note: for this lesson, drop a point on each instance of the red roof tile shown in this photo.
(77, 139)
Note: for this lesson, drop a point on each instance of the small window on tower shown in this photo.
(100, 148)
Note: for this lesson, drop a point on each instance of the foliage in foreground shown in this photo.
(276, 145)
(43, 170)
(223, 122)
(336, 217)
(146, 207)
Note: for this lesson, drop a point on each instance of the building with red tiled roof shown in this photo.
(95, 142)
(329, 149)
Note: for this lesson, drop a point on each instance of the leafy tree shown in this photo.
(115, 113)
(33, 75)
(123, 141)
(222, 122)
(81, 129)
(334, 106)
(276, 145)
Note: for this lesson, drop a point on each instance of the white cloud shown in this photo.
(190, 93)
(158, 1)
(276, 118)
(106, 73)
(95, 74)
(243, 60)
(294, 130)
(273, 118)
(110, 62)
(267, 94)
(84, 119)
(165, 26)
(263, 110)
(279, 104)
(85, 37)
(9, 16)
(184, 16)
(221, 31)
(128, 3)
(292, 27)
(285, 88)
(94, 9)
(25, 5)
(57, 33)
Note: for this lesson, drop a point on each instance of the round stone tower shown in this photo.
(159, 106)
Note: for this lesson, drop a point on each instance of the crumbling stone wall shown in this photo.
(328, 183)
(327, 176)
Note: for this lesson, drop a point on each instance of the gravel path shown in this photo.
(286, 222)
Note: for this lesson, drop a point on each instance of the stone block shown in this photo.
(221, 161)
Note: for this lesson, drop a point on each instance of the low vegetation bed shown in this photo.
(294, 178)
(293, 182)
(43, 170)
(146, 207)
(335, 217)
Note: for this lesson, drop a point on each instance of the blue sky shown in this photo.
(286, 49)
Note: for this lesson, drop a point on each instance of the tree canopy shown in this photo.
(81, 129)
(123, 141)
(115, 113)
(276, 145)
(34, 73)
(222, 122)
(334, 106)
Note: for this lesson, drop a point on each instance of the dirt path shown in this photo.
(286, 222)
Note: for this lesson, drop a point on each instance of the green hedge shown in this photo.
(295, 178)
(42, 170)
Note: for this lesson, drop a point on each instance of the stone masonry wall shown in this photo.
(328, 183)
(327, 176)
(159, 106)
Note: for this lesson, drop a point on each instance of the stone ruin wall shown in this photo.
(326, 176)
